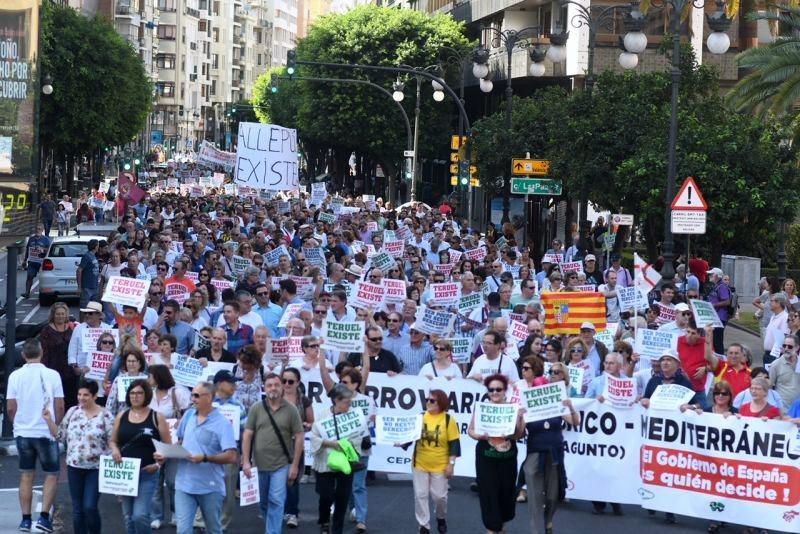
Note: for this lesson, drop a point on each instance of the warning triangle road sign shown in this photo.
(689, 197)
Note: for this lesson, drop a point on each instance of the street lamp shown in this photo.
(513, 39)
(398, 87)
(47, 85)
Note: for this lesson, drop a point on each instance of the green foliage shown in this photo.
(615, 141)
(357, 117)
(793, 245)
(102, 95)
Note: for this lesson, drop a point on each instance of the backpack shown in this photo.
(734, 303)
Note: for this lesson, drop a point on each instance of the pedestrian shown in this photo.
(35, 394)
(334, 485)
(55, 338)
(273, 440)
(720, 298)
(88, 275)
(85, 431)
(200, 480)
(47, 213)
(132, 437)
(433, 461)
(293, 394)
(35, 252)
(496, 464)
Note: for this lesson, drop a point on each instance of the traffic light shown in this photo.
(291, 62)
(409, 168)
(233, 110)
(137, 161)
(463, 173)
(274, 84)
(127, 166)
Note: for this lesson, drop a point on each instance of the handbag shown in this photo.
(345, 460)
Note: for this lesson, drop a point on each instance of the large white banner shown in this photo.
(266, 157)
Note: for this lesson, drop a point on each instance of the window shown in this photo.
(215, 61)
(259, 59)
(165, 61)
(216, 9)
(166, 89)
(166, 5)
(167, 32)
(213, 87)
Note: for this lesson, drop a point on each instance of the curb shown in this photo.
(744, 329)
(8, 448)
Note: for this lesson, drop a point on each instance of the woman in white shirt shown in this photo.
(443, 364)
(778, 325)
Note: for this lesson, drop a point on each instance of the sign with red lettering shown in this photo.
(368, 296)
(395, 290)
(446, 294)
(619, 392)
(126, 291)
(99, 363)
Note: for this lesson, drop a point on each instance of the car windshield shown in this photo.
(68, 250)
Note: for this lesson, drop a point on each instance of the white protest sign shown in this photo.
(187, 371)
(518, 331)
(290, 312)
(285, 348)
(586, 288)
(177, 292)
(630, 298)
(433, 322)
(232, 413)
(89, 337)
(99, 363)
(248, 488)
(171, 450)
(577, 375)
(305, 286)
(346, 425)
(666, 314)
(705, 314)
(126, 291)
(222, 285)
(394, 247)
(343, 336)
(467, 303)
(544, 402)
(241, 264)
(575, 266)
(391, 429)
(495, 420)
(395, 290)
(124, 382)
(382, 260)
(266, 157)
(461, 346)
(445, 294)
(619, 392)
(476, 254)
(368, 296)
(652, 343)
(670, 397)
(119, 478)
(271, 257)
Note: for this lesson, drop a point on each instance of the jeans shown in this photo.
(292, 504)
(272, 488)
(166, 477)
(136, 510)
(358, 499)
(46, 450)
(83, 489)
(186, 507)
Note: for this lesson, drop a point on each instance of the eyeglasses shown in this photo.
(198, 395)
(393, 320)
(107, 342)
(419, 282)
(495, 390)
(201, 275)
(430, 401)
(555, 372)
(375, 339)
(527, 368)
(135, 392)
(723, 393)
(290, 381)
(162, 268)
(315, 346)
(319, 312)
(576, 349)
(442, 348)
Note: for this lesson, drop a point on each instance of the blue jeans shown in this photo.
(186, 507)
(272, 489)
(83, 489)
(292, 504)
(166, 477)
(46, 450)
(136, 510)
(358, 499)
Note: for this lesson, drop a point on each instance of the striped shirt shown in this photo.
(413, 358)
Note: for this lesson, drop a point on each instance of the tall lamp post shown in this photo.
(511, 40)
(595, 18)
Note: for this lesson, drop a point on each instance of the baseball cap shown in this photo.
(225, 376)
(587, 326)
(681, 307)
(590, 257)
(716, 270)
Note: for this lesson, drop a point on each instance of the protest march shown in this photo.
(256, 335)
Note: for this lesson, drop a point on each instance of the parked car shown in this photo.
(57, 278)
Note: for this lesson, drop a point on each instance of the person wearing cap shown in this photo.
(416, 353)
(595, 350)
(720, 298)
(77, 355)
(624, 278)
(668, 371)
(593, 274)
(226, 401)
(682, 315)
(353, 273)
(88, 275)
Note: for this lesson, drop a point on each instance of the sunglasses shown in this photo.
(576, 350)
(320, 312)
(290, 381)
(201, 275)
(315, 346)
(107, 342)
(375, 339)
(555, 372)
(430, 401)
(686, 314)
(394, 320)
(495, 390)
(258, 263)
(442, 348)
(723, 393)
(198, 395)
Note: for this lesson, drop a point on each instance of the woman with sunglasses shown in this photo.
(496, 464)
(132, 437)
(293, 394)
(577, 357)
(434, 461)
(532, 372)
(441, 363)
(553, 283)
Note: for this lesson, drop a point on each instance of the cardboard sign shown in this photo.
(461, 346)
(124, 382)
(395, 290)
(271, 257)
(248, 488)
(187, 371)
(368, 296)
(266, 157)
(232, 413)
(285, 348)
(652, 343)
(394, 247)
(343, 336)
(382, 260)
(476, 254)
(670, 397)
(433, 322)
(126, 291)
(619, 392)
(89, 337)
(445, 294)
(348, 424)
(119, 478)
(575, 266)
(391, 429)
(177, 292)
(467, 303)
(705, 314)
(222, 285)
(544, 402)
(495, 420)
(630, 298)
(241, 264)
(99, 363)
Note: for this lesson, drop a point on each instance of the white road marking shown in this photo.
(31, 314)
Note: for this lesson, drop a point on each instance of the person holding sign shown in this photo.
(226, 402)
(132, 437)
(434, 461)
(85, 431)
(496, 463)
(134, 366)
(668, 372)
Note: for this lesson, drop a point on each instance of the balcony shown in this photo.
(124, 10)
(192, 12)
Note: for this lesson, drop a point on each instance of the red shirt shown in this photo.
(699, 268)
(739, 380)
(770, 412)
(693, 357)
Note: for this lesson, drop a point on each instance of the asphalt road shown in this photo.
(391, 510)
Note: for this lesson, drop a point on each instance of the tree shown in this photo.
(347, 118)
(102, 94)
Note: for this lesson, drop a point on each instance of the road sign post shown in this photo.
(536, 186)
(688, 210)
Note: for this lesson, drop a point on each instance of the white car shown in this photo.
(57, 277)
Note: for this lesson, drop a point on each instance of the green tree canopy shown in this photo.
(101, 93)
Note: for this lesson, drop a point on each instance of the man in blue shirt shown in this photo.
(200, 479)
(34, 256)
(270, 312)
(88, 275)
(169, 323)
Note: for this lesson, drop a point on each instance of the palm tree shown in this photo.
(773, 83)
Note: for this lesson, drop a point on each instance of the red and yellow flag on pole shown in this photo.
(564, 312)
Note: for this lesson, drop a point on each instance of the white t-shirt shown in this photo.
(34, 386)
(454, 371)
(251, 319)
(484, 366)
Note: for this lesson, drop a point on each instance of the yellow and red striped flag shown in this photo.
(564, 312)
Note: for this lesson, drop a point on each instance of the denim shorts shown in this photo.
(43, 448)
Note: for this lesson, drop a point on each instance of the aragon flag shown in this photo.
(564, 312)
